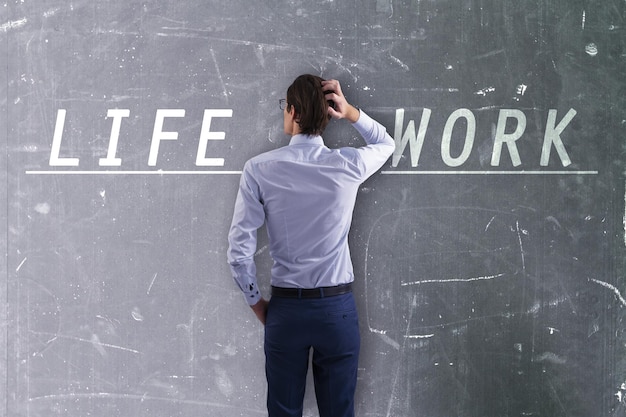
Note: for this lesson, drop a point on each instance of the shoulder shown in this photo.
(271, 155)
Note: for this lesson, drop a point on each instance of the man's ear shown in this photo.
(294, 115)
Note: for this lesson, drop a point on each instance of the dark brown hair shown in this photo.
(306, 96)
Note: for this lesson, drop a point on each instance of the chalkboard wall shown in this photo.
(489, 250)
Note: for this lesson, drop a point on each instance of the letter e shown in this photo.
(206, 135)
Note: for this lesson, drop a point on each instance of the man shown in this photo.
(305, 194)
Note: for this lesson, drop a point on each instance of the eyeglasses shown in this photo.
(282, 103)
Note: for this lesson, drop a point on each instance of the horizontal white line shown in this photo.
(70, 172)
(490, 172)
(133, 172)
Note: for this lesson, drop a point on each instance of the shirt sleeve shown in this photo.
(380, 145)
(248, 216)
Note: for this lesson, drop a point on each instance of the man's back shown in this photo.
(308, 193)
(305, 194)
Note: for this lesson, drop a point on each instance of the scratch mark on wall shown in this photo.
(620, 393)
(489, 224)
(13, 25)
(583, 20)
(444, 281)
(612, 288)
(419, 336)
(98, 345)
(21, 264)
(402, 65)
(383, 335)
(51, 12)
(550, 357)
(489, 54)
(92, 341)
(141, 398)
(396, 379)
(521, 246)
(152, 282)
(219, 73)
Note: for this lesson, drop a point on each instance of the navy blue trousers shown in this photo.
(330, 327)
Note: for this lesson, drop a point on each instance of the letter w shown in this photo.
(416, 142)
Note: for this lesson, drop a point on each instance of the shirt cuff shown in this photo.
(252, 299)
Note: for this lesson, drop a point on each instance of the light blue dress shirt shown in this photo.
(305, 194)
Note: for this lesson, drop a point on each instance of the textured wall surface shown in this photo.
(489, 250)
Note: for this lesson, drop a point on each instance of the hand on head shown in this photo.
(342, 109)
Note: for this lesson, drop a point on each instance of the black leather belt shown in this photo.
(319, 292)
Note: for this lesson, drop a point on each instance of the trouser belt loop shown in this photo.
(321, 292)
(299, 292)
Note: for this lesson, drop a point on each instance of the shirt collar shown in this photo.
(300, 139)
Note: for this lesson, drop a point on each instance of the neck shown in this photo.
(295, 128)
